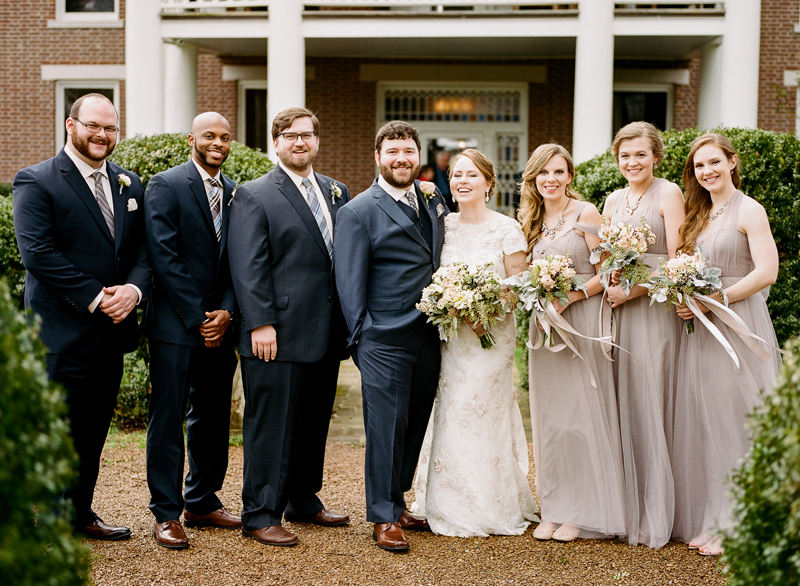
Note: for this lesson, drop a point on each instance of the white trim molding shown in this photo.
(791, 78)
(675, 76)
(667, 88)
(255, 72)
(66, 72)
(66, 19)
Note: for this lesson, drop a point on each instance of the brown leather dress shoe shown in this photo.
(170, 534)
(325, 518)
(412, 522)
(219, 518)
(101, 531)
(390, 537)
(274, 535)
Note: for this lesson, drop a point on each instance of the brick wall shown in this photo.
(779, 51)
(27, 104)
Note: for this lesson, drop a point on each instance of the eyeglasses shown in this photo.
(292, 136)
(95, 128)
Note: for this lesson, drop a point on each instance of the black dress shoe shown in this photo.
(101, 531)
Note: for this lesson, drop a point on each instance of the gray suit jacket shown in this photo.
(382, 265)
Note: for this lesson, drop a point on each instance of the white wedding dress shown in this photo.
(472, 474)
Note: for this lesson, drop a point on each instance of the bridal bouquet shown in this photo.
(682, 277)
(624, 244)
(462, 293)
(545, 280)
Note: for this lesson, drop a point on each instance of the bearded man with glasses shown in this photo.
(292, 335)
(80, 231)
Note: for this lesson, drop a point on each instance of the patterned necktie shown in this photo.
(316, 209)
(214, 202)
(100, 196)
(412, 201)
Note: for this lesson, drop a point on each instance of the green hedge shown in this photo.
(764, 548)
(38, 462)
(148, 155)
(770, 169)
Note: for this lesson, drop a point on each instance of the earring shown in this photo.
(487, 198)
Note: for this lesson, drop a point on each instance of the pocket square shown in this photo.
(439, 210)
(132, 205)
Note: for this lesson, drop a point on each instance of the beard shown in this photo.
(82, 146)
(297, 163)
(401, 177)
(202, 155)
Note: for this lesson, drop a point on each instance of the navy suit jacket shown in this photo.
(281, 270)
(382, 265)
(69, 254)
(191, 274)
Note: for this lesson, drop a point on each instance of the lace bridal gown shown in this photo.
(472, 475)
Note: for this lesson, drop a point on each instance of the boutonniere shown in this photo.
(132, 205)
(336, 193)
(439, 210)
(428, 189)
(233, 194)
(124, 181)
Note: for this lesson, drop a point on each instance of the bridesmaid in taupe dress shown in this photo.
(645, 374)
(713, 400)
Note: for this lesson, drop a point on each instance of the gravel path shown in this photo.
(347, 555)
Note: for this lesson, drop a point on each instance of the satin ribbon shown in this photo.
(551, 321)
(734, 322)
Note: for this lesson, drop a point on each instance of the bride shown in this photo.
(472, 476)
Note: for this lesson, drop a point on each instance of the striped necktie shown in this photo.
(100, 196)
(215, 203)
(412, 201)
(316, 209)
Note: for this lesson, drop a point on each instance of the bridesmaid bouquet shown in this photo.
(684, 277)
(462, 293)
(544, 281)
(624, 244)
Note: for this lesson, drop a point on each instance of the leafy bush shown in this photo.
(11, 266)
(132, 402)
(764, 548)
(5, 188)
(770, 169)
(148, 155)
(36, 543)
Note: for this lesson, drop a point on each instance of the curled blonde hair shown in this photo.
(531, 207)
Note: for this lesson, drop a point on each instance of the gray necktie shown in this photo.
(100, 196)
(214, 202)
(316, 209)
(412, 201)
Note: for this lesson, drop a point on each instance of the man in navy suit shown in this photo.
(389, 240)
(292, 334)
(188, 326)
(80, 231)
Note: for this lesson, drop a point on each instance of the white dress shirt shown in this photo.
(205, 177)
(87, 173)
(298, 181)
(396, 193)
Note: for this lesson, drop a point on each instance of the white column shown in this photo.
(592, 119)
(708, 110)
(144, 74)
(740, 60)
(180, 86)
(286, 59)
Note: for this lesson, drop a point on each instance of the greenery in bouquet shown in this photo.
(466, 294)
(620, 247)
(684, 276)
(545, 280)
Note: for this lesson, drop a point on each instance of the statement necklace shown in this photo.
(718, 213)
(629, 209)
(551, 232)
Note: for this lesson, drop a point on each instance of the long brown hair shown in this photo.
(531, 207)
(698, 201)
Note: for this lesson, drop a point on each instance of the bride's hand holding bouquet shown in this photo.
(466, 294)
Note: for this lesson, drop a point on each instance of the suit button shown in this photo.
(330, 299)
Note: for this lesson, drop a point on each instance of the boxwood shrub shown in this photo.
(764, 548)
(38, 462)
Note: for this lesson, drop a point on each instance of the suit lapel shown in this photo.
(120, 209)
(287, 187)
(327, 199)
(431, 214)
(199, 190)
(227, 191)
(390, 206)
(78, 183)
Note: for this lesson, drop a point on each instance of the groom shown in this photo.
(388, 243)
